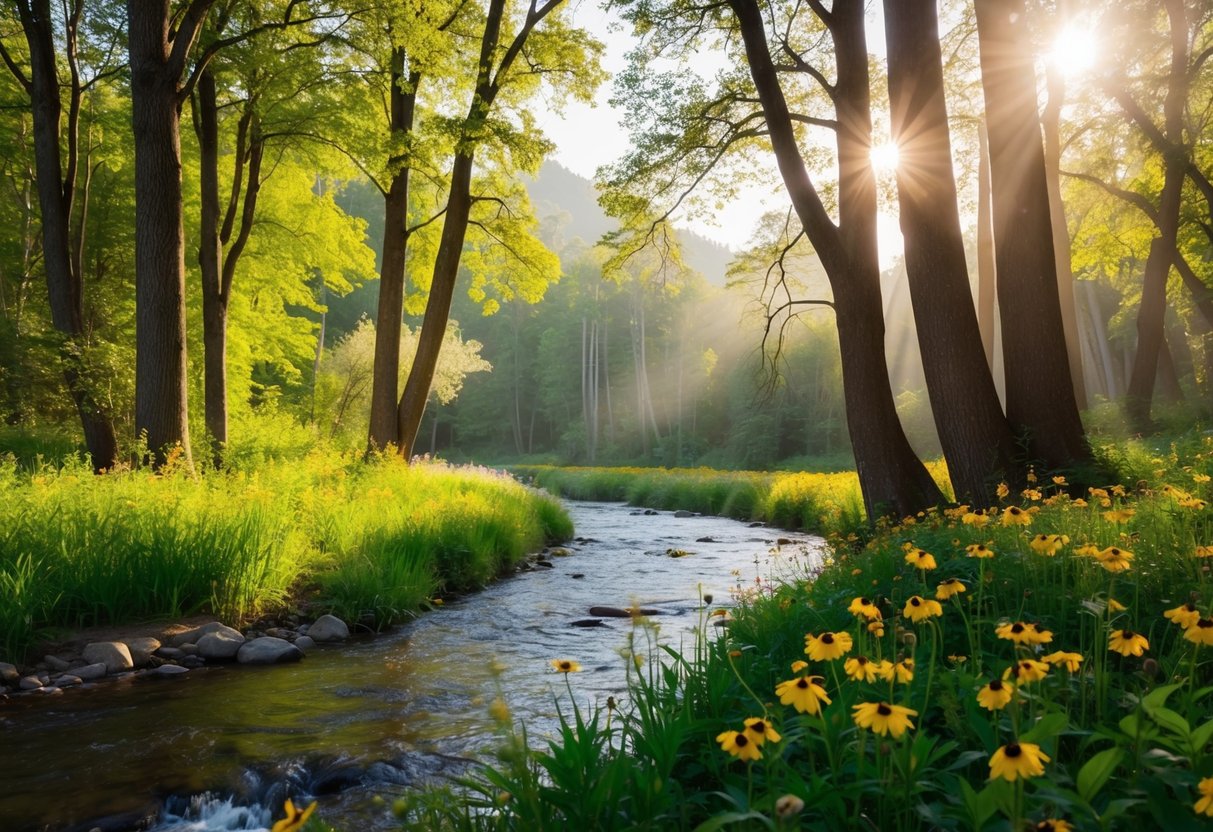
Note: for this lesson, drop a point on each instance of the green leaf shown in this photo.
(722, 820)
(1096, 771)
(1158, 697)
(1170, 720)
(1049, 725)
(1201, 736)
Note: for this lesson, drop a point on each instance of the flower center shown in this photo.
(1205, 623)
(758, 727)
(828, 638)
(1012, 750)
(996, 685)
(802, 683)
(883, 709)
(864, 659)
(1126, 635)
(1018, 628)
(915, 601)
(741, 741)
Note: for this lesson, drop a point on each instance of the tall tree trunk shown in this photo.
(1039, 388)
(977, 442)
(891, 477)
(157, 63)
(56, 186)
(986, 279)
(384, 420)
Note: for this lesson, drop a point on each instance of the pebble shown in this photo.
(328, 628)
(142, 649)
(192, 661)
(305, 643)
(189, 649)
(168, 671)
(56, 663)
(281, 632)
(170, 653)
(9, 674)
(192, 636)
(30, 683)
(68, 680)
(90, 672)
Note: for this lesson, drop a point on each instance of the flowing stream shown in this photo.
(220, 748)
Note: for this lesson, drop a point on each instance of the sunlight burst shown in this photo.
(1073, 51)
(884, 157)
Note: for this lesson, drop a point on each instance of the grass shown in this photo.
(352, 538)
(1127, 740)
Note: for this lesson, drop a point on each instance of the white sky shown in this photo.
(588, 137)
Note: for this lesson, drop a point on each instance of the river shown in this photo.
(221, 747)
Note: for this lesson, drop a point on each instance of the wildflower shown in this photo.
(1015, 516)
(1031, 475)
(1185, 615)
(1098, 493)
(827, 646)
(1048, 544)
(904, 671)
(294, 818)
(1053, 825)
(1115, 559)
(1059, 480)
(1119, 515)
(1018, 759)
(803, 694)
(1200, 478)
(499, 711)
(955, 659)
(979, 550)
(995, 694)
(876, 628)
(1080, 503)
(1071, 661)
(1127, 643)
(1201, 632)
(788, 805)
(798, 666)
(885, 670)
(861, 669)
(1203, 552)
(1002, 491)
(1204, 806)
(919, 609)
(883, 718)
(1028, 670)
(1192, 502)
(739, 745)
(864, 608)
(566, 666)
(950, 587)
(920, 559)
(975, 519)
(760, 731)
(1115, 606)
(1087, 550)
(1030, 494)
(1021, 633)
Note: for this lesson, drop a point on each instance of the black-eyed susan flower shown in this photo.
(1053, 825)
(919, 609)
(1204, 806)
(760, 731)
(1070, 661)
(803, 694)
(1185, 615)
(1201, 632)
(861, 669)
(1203, 552)
(1048, 544)
(1115, 559)
(739, 745)
(903, 671)
(1087, 550)
(1002, 490)
(1020, 632)
(1028, 670)
(876, 628)
(885, 670)
(883, 718)
(975, 519)
(827, 646)
(294, 819)
(920, 559)
(979, 550)
(995, 694)
(798, 666)
(1127, 643)
(566, 666)
(1015, 516)
(1018, 759)
(1115, 606)
(949, 588)
(863, 608)
(1119, 515)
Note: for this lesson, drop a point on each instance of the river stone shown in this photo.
(169, 671)
(191, 662)
(268, 650)
(171, 653)
(682, 512)
(142, 649)
(9, 674)
(616, 612)
(189, 649)
(30, 683)
(221, 644)
(90, 672)
(113, 654)
(192, 636)
(328, 628)
(67, 680)
(588, 622)
(56, 663)
(281, 632)
(305, 643)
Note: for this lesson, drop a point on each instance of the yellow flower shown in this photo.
(827, 646)
(294, 818)
(1021, 633)
(950, 587)
(1201, 632)
(1059, 480)
(1031, 475)
(1193, 503)
(904, 671)
(1119, 515)
(1200, 478)
(1127, 643)
(957, 659)
(1015, 516)
(1115, 606)
(1098, 493)
(1204, 806)
(803, 694)
(975, 519)
(1002, 491)
(1053, 825)
(861, 669)
(798, 666)
(1087, 550)
(1080, 503)
(1018, 759)
(995, 694)
(919, 609)
(1071, 661)
(920, 559)
(1031, 494)
(739, 745)
(864, 608)
(1203, 552)
(499, 711)
(979, 550)
(883, 718)
(566, 666)
(1028, 670)
(1185, 615)
(1115, 559)
(759, 731)
(1049, 544)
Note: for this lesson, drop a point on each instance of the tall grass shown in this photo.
(78, 550)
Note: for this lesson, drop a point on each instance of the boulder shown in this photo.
(268, 650)
(90, 672)
(142, 649)
(305, 643)
(30, 683)
(9, 674)
(220, 644)
(171, 653)
(328, 628)
(56, 663)
(113, 654)
(192, 636)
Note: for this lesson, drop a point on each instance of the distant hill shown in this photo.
(567, 207)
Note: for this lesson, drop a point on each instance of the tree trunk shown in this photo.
(384, 420)
(977, 442)
(1039, 388)
(986, 279)
(210, 263)
(891, 477)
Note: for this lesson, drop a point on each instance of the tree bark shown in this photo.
(986, 278)
(891, 477)
(1039, 388)
(977, 442)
